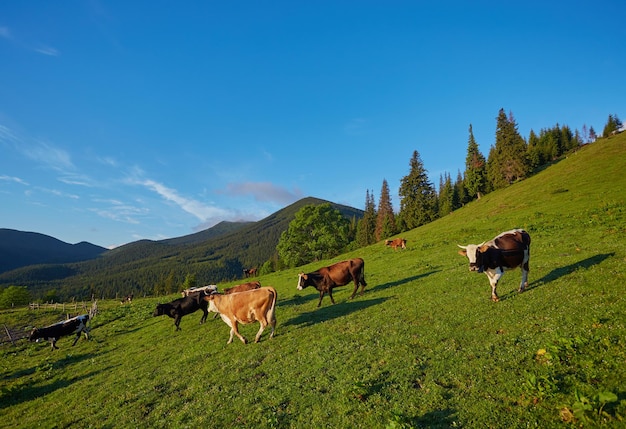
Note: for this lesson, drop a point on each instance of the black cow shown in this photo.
(339, 274)
(182, 306)
(75, 325)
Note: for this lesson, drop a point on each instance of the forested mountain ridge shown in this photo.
(21, 248)
(146, 267)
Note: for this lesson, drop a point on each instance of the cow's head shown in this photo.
(159, 310)
(474, 253)
(302, 281)
(34, 335)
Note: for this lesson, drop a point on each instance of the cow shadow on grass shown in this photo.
(403, 281)
(39, 389)
(563, 271)
(332, 311)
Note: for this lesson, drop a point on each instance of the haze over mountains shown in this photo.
(220, 253)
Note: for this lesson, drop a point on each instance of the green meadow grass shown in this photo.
(423, 347)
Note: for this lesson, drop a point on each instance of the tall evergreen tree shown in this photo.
(507, 160)
(366, 228)
(475, 169)
(613, 124)
(447, 195)
(418, 198)
(385, 218)
(461, 190)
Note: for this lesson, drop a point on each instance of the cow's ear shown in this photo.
(463, 252)
(483, 249)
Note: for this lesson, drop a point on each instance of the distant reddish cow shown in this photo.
(339, 274)
(246, 307)
(243, 287)
(507, 251)
(395, 243)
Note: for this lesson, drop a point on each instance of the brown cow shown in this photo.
(339, 274)
(243, 287)
(246, 307)
(395, 243)
(507, 251)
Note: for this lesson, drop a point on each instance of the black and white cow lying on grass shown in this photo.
(75, 325)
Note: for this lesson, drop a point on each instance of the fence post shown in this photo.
(9, 334)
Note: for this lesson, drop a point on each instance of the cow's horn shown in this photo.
(462, 247)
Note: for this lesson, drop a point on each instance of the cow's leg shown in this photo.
(177, 322)
(263, 324)
(356, 286)
(493, 281)
(53, 343)
(204, 316)
(330, 294)
(322, 296)
(235, 330)
(524, 284)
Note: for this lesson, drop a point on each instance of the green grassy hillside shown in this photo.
(423, 347)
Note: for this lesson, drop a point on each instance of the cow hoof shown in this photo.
(495, 299)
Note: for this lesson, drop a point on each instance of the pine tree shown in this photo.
(366, 227)
(418, 198)
(475, 169)
(612, 125)
(446, 195)
(385, 218)
(507, 160)
(461, 190)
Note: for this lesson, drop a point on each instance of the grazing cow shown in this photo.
(249, 272)
(395, 243)
(243, 287)
(507, 251)
(208, 289)
(75, 325)
(339, 274)
(246, 307)
(127, 298)
(182, 306)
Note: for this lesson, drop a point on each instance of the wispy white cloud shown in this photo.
(39, 151)
(13, 179)
(263, 191)
(77, 179)
(196, 208)
(120, 212)
(49, 155)
(58, 193)
(46, 50)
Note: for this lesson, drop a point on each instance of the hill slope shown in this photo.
(423, 347)
(19, 248)
(217, 254)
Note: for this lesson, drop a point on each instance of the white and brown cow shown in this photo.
(509, 250)
(327, 278)
(75, 325)
(246, 307)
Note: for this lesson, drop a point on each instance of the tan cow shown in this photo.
(395, 243)
(246, 307)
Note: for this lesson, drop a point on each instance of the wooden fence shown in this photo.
(12, 334)
(59, 306)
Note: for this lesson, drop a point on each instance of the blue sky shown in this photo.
(125, 120)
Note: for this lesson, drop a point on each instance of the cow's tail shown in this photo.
(362, 276)
(272, 311)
